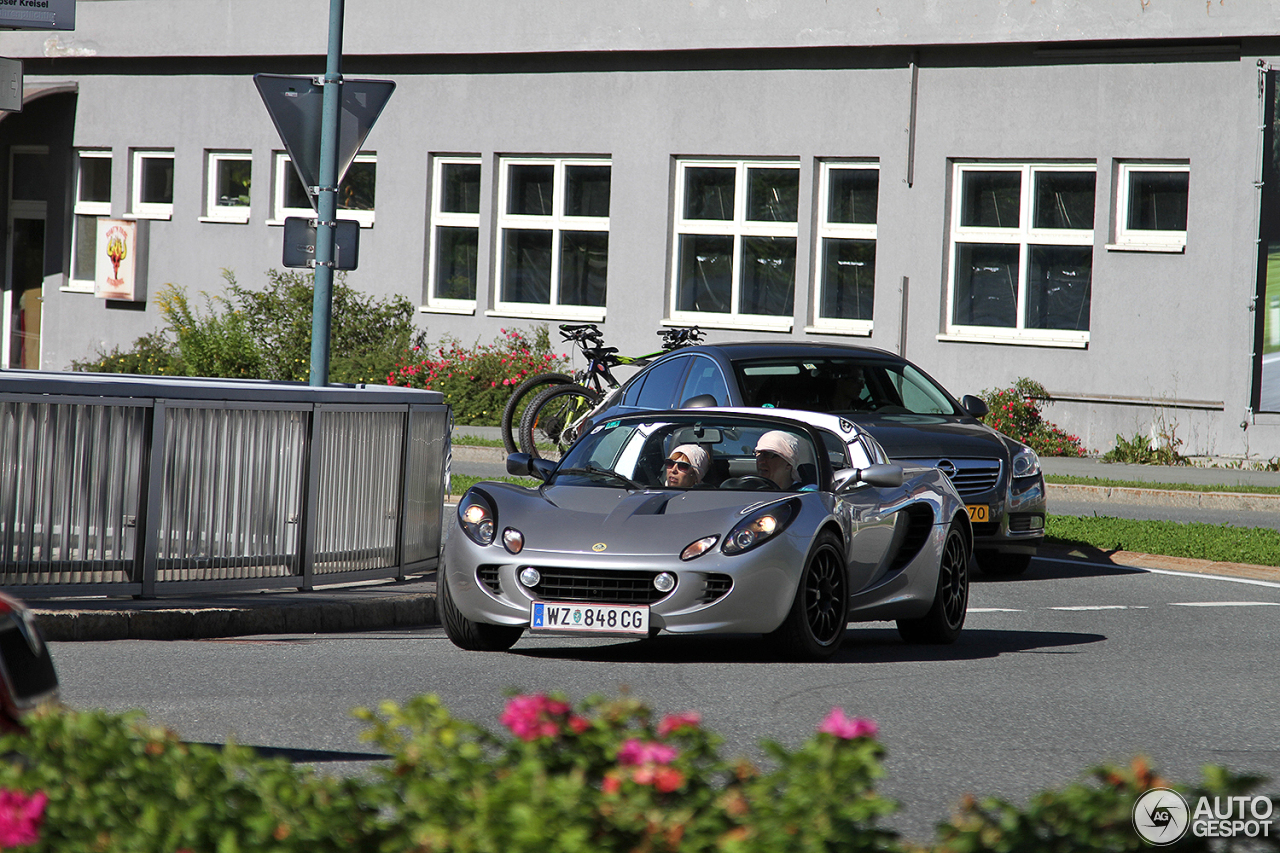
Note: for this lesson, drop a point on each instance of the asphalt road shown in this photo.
(1055, 672)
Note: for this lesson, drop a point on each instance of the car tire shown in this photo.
(1003, 565)
(518, 401)
(945, 618)
(816, 623)
(469, 635)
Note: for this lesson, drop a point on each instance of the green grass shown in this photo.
(1063, 480)
(1195, 540)
(461, 482)
(479, 441)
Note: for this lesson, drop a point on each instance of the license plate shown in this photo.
(978, 512)
(589, 618)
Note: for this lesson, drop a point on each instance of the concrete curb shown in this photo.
(411, 610)
(1237, 501)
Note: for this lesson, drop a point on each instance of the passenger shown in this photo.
(687, 466)
(776, 459)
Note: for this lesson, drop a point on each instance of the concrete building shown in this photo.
(1079, 192)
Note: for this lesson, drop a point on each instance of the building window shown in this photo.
(845, 273)
(93, 199)
(152, 193)
(1022, 252)
(227, 182)
(734, 245)
(553, 246)
(355, 192)
(1151, 207)
(453, 268)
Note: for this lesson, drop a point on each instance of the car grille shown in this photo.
(717, 586)
(969, 476)
(604, 587)
(594, 585)
(986, 528)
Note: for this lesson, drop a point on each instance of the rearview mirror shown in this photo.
(884, 476)
(524, 465)
(974, 406)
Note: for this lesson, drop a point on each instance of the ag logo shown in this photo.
(599, 546)
(1160, 816)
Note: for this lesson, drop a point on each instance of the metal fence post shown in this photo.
(151, 503)
(310, 500)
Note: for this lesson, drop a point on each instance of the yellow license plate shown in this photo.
(978, 512)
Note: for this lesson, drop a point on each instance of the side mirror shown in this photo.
(974, 406)
(884, 476)
(524, 465)
(701, 401)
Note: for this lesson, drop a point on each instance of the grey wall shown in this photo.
(1173, 330)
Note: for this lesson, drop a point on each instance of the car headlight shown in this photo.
(697, 549)
(1026, 463)
(477, 518)
(759, 527)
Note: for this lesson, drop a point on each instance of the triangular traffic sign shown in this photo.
(296, 105)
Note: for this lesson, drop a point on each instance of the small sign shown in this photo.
(296, 105)
(300, 243)
(11, 85)
(37, 14)
(119, 269)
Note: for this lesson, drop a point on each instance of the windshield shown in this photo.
(706, 453)
(841, 386)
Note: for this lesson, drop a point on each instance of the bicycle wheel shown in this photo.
(519, 401)
(552, 417)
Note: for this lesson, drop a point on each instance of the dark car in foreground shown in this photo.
(910, 415)
(794, 525)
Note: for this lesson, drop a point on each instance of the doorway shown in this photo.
(24, 283)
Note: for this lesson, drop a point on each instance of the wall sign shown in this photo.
(119, 272)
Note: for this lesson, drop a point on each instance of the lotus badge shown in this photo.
(599, 546)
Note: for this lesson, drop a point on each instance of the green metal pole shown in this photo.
(327, 201)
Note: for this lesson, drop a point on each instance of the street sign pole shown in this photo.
(327, 201)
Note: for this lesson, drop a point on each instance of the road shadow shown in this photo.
(861, 646)
(1083, 561)
(307, 756)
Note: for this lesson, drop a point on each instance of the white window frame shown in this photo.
(449, 219)
(556, 223)
(94, 209)
(1143, 240)
(215, 212)
(1024, 236)
(149, 210)
(283, 166)
(828, 230)
(737, 228)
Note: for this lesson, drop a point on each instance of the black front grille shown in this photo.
(488, 575)
(975, 476)
(1020, 522)
(717, 586)
(598, 586)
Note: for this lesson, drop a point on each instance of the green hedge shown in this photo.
(604, 775)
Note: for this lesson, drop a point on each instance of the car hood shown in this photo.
(582, 518)
(934, 436)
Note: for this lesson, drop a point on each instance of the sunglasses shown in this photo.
(682, 467)
(767, 454)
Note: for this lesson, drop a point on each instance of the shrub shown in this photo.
(1140, 451)
(476, 382)
(266, 334)
(1016, 413)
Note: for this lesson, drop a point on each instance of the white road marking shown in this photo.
(1224, 603)
(1251, 581)
(1103, 607)
(993, 610)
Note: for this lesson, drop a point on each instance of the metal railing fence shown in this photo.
(151, 486)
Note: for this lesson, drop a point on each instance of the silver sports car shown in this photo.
(789, 524)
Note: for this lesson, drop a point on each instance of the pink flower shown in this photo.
(636, 752)
(534, 716)
(20, 817)
(676, 722)
(847, 728)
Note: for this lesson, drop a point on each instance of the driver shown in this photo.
(686, 466)
(776, 459)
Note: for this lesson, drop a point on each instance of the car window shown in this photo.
(704, 378)
(661, 383)
(837, 453)
(841, 385)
